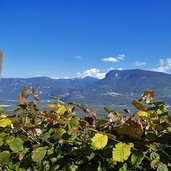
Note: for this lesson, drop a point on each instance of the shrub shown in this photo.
(60, 140)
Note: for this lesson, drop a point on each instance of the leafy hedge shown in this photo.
(60, 140)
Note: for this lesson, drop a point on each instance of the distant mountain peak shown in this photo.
(116, 87)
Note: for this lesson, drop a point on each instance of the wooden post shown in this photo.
(1, 59)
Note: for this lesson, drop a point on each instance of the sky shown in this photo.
(78, 38)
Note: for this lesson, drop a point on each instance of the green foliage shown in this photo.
(15, 144)
(58, 139)
(38, 154)
(4, 157)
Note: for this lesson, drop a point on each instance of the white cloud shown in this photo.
(110, 59)
(56, 78)
(121, 57)
(140, 63)
(78, 57)
(164, 65)
(111, 68)
(92, 72)
(65, 77)
(114, 59)
(114, 69)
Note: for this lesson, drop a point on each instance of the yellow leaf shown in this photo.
(142, 114)
(5, 122)
(53, 105)
(2, 116)
(122, 151)
(61, 110)
(99, 141)
(59, 101)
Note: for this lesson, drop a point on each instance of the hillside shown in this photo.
(118, 87)
(11, 87)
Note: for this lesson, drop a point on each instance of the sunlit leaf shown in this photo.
(155, 163)
(50, 151)
(139, 105)
(154, 156)
(38, 154)
(60, 132)
(26, 92)
(99, 141)
(4, 157)
(162, 167)
(61, 109)
(122, 151)
(3, 116)
(5, 122)
(53, 105)
(16, 144)
(61, 102)
(73, 131)
(73, 123)
(142, 114)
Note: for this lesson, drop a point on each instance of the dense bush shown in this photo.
(60, 140)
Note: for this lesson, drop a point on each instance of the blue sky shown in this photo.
(70, 38)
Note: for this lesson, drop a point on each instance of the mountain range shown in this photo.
(118, 87)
